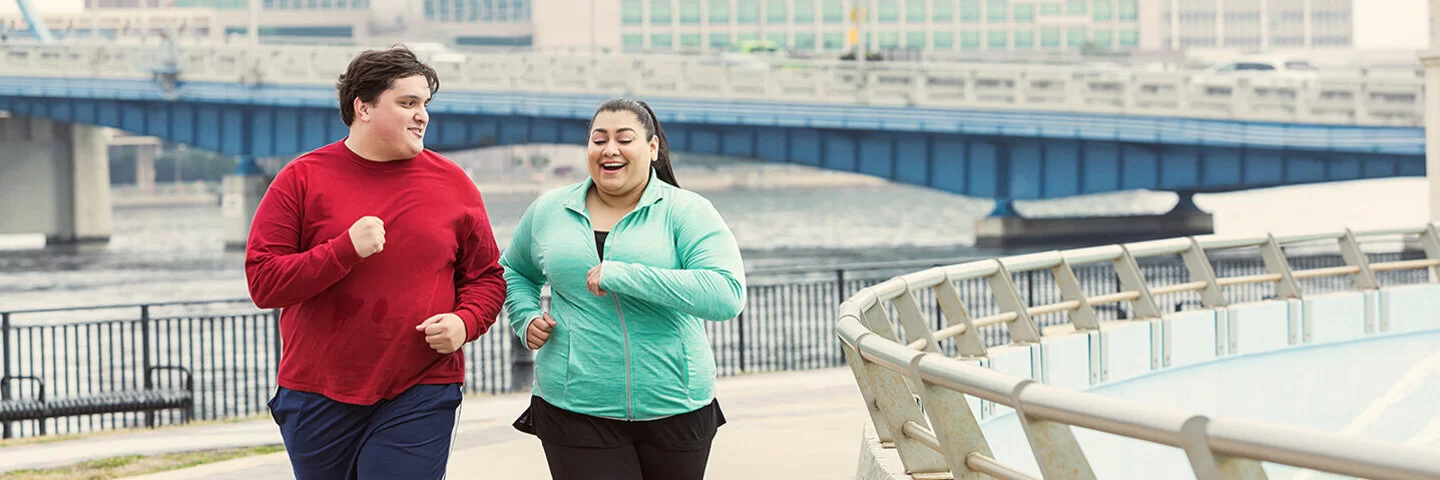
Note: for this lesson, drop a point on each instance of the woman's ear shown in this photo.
(654, 149)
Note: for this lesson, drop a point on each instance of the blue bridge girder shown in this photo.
(1005, 155)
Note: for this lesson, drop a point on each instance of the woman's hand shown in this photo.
(539, 331)
(592, 281)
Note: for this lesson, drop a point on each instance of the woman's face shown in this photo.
(619, 154)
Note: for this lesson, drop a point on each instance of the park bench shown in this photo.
(148, 399)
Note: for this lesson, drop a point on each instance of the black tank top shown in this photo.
(600, 243)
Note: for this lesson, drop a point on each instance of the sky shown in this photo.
(1387, 24)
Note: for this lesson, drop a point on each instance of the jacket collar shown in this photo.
(655, 191)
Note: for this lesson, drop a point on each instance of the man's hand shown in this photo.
(368, 235)
(539, 331)
(444, 332)
(592, 281)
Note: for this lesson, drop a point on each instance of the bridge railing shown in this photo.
(1332, 99)
(923, 386)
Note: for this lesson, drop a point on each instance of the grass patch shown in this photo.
(40, 439)
(132, 465)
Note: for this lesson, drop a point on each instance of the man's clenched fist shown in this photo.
(444, 332)
(368, 235)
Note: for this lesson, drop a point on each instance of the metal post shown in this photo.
(5, 346)
(145, 356)
(1200, 269)
(522, 365)
(740, 325)
(1277, 263)
(276, 314)
(840, 284)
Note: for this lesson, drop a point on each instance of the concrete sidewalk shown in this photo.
(793, 425)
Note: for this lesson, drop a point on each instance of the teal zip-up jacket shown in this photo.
(640, 352)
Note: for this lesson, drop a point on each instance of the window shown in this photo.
(747, 37)
(1051, 9)
(997, 39)
(660, 13)
(1128, 10)
(915, 40)
(690, 40)
(633, 41)
(915, 11)
(775, 12)
(1129, 38)
(1024, 39)
(943, 40)
(970, 11)
(832, 11)
(942, 11)
(719, 40)
(747, 11)
(1104, 10)
(833, 41)
(996, 11)
(1075, 7)
(888, 12)
(889, 39)
(805, 41)
(804, 11)
(970, 40)
(719, 12)
(777, 38)
(1050, 37)
(1024, 13)
(661, 40)
(631, 13)
(690, 13)
(1076, 37)
(1103, 37)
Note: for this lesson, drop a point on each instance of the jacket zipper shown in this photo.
(624, 333)
(629, 399)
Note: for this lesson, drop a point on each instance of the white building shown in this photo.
(813, 26)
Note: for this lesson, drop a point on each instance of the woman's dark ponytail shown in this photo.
(663, 169)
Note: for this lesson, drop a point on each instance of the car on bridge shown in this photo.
(1258, 70)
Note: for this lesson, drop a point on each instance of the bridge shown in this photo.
(1008, 133)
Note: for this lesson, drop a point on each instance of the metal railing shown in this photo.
(787, 324)
(1333, 98)
(897, 357)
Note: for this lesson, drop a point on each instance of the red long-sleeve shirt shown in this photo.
(348, 324)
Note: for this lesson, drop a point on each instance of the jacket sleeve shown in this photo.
(278, 273)
(710, 282)
(479, 279)
(523, 277)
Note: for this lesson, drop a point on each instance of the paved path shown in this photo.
(792, 425)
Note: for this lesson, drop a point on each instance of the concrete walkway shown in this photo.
(792, 425)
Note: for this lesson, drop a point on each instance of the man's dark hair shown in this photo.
(663, 170)
(373, 72)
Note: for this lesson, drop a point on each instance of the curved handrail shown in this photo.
(941, 434)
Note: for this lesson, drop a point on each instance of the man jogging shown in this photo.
(381, 256)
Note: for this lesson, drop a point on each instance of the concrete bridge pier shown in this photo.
(240, 197)
(1005, 227)
(54, 180)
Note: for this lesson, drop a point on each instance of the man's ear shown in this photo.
(362, 110)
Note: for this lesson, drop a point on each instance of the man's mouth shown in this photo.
(418, 131)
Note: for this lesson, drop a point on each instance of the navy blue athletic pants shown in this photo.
(407, 437)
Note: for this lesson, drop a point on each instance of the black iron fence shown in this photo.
(233, 349)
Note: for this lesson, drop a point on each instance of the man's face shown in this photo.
(397, 119)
